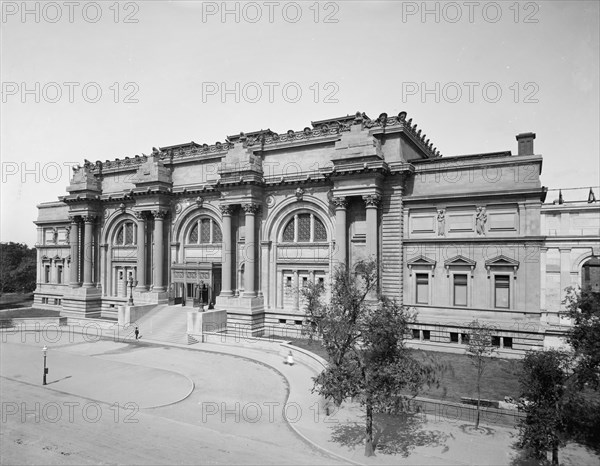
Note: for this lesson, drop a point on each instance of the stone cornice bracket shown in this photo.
(159, 214)
(340, 202)
(251, 208)
(227, 209)
(372, 200)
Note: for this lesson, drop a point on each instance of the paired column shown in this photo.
(372, 203)
(341, 230)
(88, 251)
(74, 242)
(227, 252)
(159, 217)
(141, 251)
(250, 211)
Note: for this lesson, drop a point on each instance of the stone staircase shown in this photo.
(166, 323)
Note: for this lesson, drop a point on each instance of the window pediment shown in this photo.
(421, 261)
(459, 261)
(502, 261)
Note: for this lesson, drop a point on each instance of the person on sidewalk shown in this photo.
(137, 333)
(290, 359)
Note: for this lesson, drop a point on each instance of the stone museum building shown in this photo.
(246, 223)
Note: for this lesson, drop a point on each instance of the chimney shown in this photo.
(525, 143)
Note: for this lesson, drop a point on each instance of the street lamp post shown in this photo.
(132, 283)
(44, 351)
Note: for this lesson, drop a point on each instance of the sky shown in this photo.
(105, 80)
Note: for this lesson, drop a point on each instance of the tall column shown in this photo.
(372, 202)
(227, 251)
(141, 251)
(296, 286)
(159, 216)
(88, 252)
(74, 242)
(341, 233)
(250, 211)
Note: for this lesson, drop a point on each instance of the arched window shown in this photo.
(204, 231)
(304, 228)
(590, 275)
(125, 234)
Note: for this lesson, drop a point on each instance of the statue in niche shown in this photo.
(480, 219)
(441, 222)
(55, 235)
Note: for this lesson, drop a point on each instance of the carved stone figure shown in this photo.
(441, 222)
(480, 220)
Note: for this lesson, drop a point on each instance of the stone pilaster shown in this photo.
(141, 251)
(341, 231)
(88, 251)
(372, 203)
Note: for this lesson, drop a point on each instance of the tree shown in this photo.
(17, 268)
(364, 340)
(583, 307)
(544, 388)
(479, 350)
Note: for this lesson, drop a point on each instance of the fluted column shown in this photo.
(341, 233)
(159, 216)
(74, 242)
(227, 251)
(88, 253)
(250, 211)
(372, 205)
(141, 251)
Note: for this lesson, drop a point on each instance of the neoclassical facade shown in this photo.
(246, 223)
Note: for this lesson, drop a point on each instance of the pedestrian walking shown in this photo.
(137, 333)
(290, 358)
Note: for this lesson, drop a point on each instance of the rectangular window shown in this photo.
(46, 274)
(508, 342)
(59, 271)
(496, 341)
(298, 322)
(422, 288)
(453, 337)
(288, 282)
(416, 334)
(502, 291)
(464, 338)
(460, 290)
(426, 335)
(304, 282)
(282, 321)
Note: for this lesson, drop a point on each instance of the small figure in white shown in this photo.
(289, 359)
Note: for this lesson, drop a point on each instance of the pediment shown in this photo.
(460, 260)
(421, 260)
(501, 261)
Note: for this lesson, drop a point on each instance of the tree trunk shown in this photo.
(478, 399)
(369, 431)
(555, 452)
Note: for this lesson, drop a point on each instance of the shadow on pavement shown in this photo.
(59, 380)
(392, 434)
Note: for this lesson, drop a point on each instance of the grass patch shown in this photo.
(28, 312)
(16, 300)
(500, 379)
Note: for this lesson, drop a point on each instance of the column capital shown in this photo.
(340, 202)
(159, 214)
(140, 215)
(372, 200)
(251, 208)
(89, 218)
(227, 209)
(74, 218)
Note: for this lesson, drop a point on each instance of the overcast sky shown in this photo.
(107, 80)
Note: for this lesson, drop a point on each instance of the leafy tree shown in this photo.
(480, 351)
(583, 307)
(17, 268)
(544, 389)
(364, 339)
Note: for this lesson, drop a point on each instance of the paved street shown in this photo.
(130, 402)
